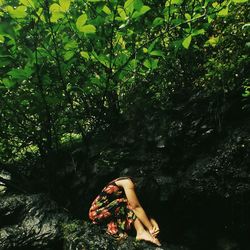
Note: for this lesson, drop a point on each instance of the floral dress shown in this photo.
(111, 208)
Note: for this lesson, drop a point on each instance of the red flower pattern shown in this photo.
(111, 207)
(112, 228)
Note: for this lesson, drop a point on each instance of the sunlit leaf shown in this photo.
(122, 13)
(56, 16)
(19, 12)
(2, 39)
(186, 42)
(129, 6)
(56, 11)
(198, 32)
(141, 12)
(84, 54)
(156, 53)
(89, 28)
(212, 41)
(106, 10)
(2, 2)
(55, 8)
(215, 4)
(223, 12)
(40, 14)
(188, 16)
(240, 1)
(209, 19)
(65, 4)
(170, 2)
(81, 20)
(28, 3)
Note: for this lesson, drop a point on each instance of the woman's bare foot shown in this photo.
(145, 235)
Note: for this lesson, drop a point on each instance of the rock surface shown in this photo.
(36, 222)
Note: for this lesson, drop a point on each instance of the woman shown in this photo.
(118, 207)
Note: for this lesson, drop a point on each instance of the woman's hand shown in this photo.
(155, 228)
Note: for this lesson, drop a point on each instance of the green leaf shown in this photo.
(71, 45)
(68, 55)
(133, 64)
(56, 16)
(147, 64)
(170, 2)
(65, 4)
(7, 30)
(121, 59)
(210, 19)
(240, 1)
(158, 21)
(106, 10)
(84, 54)
(141, 12)
(20, 74)
(40, 14)
(129, 6)
(138, 4)
(152, 45)
(8, 83)
(215, 4)
(55, 8)
(186, 42)
(198, 32)
(81, 20)
(188, 16)
(19, 12)
(2, 39)
(156, 53)
(122, 13)
(213, 41)
(88, 29)
(28, 3)
(154, 63)
(2, 2)
(104, 60)
(223, 12)
(151, 63)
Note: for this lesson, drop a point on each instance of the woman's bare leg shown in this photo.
(142, 234)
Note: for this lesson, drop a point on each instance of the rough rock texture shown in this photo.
(29, 221)
(90, 237)
(36, 222)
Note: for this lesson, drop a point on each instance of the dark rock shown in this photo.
(36, 222)
(29, 221)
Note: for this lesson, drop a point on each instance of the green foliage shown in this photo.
(68, 67)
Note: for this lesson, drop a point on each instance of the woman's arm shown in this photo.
(133, 201)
